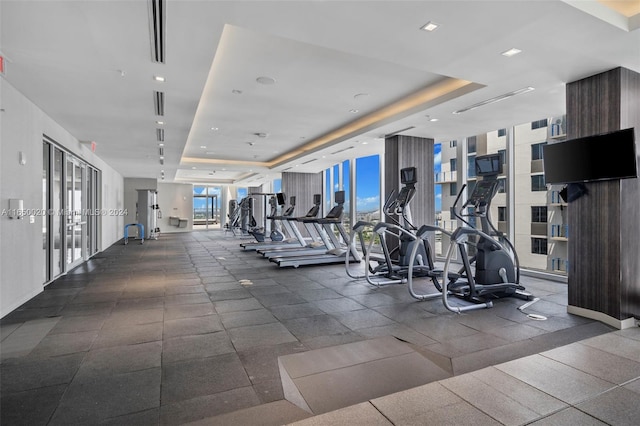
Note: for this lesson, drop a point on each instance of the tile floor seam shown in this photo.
(380, 412)
(66, 389)
(443, 383)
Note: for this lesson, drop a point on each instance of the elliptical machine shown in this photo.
(497, 270)
(393, 266)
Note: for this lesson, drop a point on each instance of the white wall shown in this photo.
(22, 126)
(175, 199)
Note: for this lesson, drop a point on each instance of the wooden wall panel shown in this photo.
(407, 151)
(630, 200)
(604, 226)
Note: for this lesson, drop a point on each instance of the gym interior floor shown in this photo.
(190, 327)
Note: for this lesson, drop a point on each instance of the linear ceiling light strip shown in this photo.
(157, 27)
(493, 100)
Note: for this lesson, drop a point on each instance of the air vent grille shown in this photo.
(162, 161)
(288, 168)
(160, 135)
(157, 21)
(158, 102)
(161, 149)
(310, 161)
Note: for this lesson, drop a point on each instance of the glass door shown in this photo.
(206, 208)
(75, 217)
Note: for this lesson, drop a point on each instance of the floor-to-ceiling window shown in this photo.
(367, 188)
(346, 187)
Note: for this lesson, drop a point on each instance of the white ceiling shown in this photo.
(88, 65)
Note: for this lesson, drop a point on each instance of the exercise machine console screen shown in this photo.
(489, 165)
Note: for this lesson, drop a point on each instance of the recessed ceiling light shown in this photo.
(236, 92)
(434, 119)
(160, 123)
(203, 147)
(162, 157)
(353, 111)
(210, 152)
(511, 52)
(214, 128)
(365, 143)
(224, 169)
(160, 144)
(158, 78)
(266, 80)
(193, 168)
(430, 26)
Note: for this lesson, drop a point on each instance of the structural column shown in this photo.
(408, 151)
(604, 226)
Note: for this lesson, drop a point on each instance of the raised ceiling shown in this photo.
(340, 75)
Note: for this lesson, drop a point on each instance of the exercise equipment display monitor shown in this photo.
(408, 176)
(489, 165)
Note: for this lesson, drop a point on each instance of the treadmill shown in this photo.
(336, 254)
(294, 239)
(315, 244)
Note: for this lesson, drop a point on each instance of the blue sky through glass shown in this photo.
(368, 183)
(437, 168)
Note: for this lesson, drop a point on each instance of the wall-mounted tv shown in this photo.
(591, 158)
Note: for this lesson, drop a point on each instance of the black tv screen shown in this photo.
(282, 199)
(591, 158)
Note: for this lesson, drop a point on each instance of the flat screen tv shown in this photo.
(591, 158)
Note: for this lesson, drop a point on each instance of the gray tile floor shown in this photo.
(190, 327)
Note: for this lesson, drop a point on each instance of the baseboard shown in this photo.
(602, 317)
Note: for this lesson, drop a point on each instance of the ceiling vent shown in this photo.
(342, 150)
(160, 135)
(288, 168)
(158, 102)
(310, 161)
(397, 132)
(162, 161)
(157, 21)
(161, 151)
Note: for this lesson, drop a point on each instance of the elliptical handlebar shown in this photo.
(459, 214)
